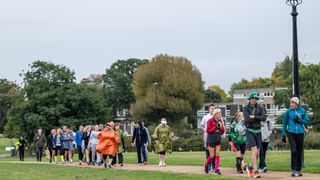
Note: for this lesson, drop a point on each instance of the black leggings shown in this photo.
(296, 146)
(21, 154)
(105, 156)
(58, 148)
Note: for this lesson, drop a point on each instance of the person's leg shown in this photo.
(120, 156)
(80, 154)
(262, 163)
(146, 149)
(40, 153)
(294, 152)
(20, 154)
(114, 160)
(209, 159)
(139, 153)
(71, 155)
(299, 150)
(217, 159)
(50, 155)
(144, 155)
(110, 160)
(93, 153)
(37, 153)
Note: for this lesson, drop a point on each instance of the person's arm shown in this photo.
(231, 131)
(262, 116)
(305, 120)
(210, 127)
(148, 134)
(203, 123)
(246, 115)
(285, 123)
(222, 129)
(134, 135)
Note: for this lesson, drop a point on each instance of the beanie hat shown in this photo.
(295, 100)
(254, 95)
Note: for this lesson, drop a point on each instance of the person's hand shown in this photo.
(296, 120)
(37, 137)
(133, 145)
(284, 139)
(251, 116)
(157, 142)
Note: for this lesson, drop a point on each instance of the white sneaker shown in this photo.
(163, 164)
(160, 164)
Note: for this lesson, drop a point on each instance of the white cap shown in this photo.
(295, 100)
(163, 120)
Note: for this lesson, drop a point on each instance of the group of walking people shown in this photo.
(251, 129)
(100, 144)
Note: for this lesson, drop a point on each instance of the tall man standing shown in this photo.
(253, 115)
(203, 125)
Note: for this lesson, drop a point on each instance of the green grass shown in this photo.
(276, 160)
(41, 171)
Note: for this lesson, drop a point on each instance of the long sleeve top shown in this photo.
(212, 126)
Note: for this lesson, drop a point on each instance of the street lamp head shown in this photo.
(294, 3)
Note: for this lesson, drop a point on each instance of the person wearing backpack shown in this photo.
(293, 123)
(237, 133)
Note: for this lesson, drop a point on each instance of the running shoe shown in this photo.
(256, 174)
(217, 172)
(249, 171)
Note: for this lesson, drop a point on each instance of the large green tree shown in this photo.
(310, 93)
(9, 94)
(117, 82)
(53, 99)
(220, 91)
(167, 86)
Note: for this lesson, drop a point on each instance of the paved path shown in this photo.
(229, 172)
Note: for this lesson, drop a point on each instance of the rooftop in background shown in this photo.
(92, 79)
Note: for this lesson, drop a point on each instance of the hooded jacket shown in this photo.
(259, 115)
(289, 124)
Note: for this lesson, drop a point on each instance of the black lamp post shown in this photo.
(155, 84)
(294, 13)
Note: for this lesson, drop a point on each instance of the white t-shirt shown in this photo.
(204, 120)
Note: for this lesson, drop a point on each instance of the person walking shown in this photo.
(254, 114)
(266, 131)
(203, 125)
(86, 138)
(149, 141)
(21, 145)
(39, 142)
(78, 140)
(59, 146)
(120, 146)
(51, 144)
(67, 144)
(215, 128)
(107, 146)
(293, 122)
(139, 139)
(163, 137)
(93, 143)
(237, 133)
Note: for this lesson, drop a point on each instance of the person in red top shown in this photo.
(215, 129)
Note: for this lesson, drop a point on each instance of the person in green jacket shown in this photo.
(163, 140)
(120, 147)
(237, 133)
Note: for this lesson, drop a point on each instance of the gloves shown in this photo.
(284, 139)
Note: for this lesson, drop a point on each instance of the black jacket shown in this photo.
(259, 115)
(140, 135)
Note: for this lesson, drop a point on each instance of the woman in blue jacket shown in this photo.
(293, 123)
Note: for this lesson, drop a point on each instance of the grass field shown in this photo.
(276, 160)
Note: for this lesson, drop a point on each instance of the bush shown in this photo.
(312, 140)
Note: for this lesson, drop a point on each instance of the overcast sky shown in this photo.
(226, 39)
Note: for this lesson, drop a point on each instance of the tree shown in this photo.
(9, 93)
(211, 96)
(253, 84)
(179, 90)
(117, 81)
(310, 93)
(53, 99)
(282, 73)
(221, 92)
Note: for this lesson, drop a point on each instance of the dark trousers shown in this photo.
(51, 154)
(80, 153)
(120, 157)
(211, 165)
(39, 153)
(262, 155)
(141, 150)
(296, 146)
(21, 154)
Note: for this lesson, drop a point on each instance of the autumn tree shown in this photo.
(178, 91)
